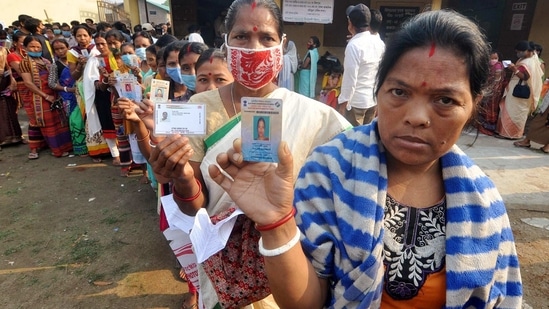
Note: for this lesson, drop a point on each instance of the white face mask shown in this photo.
(254, 68)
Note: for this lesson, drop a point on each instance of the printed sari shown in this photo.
(46, 125)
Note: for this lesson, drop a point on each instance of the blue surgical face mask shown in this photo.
(34, 54)
(141, 53)
(175, 74)
(66, 33)
(189, 81)
(57, 31)
(127, 59)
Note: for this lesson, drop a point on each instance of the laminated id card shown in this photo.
(261, 128)
(179, 118)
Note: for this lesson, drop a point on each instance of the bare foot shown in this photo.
(116, 161)
(190, 301)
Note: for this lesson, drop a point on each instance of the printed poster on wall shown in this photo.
(308, 11)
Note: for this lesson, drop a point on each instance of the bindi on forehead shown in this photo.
(254, 4)
(424, 84)
(255, 29)
(432, 51)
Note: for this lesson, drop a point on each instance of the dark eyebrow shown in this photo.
(448, 89)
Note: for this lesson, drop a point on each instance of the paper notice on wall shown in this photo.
(516, 21)
(308, 11)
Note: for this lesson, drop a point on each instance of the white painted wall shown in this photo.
(58, 10)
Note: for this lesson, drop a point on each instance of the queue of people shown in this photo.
(340, 220)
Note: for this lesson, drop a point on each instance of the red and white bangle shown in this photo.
(282, 249)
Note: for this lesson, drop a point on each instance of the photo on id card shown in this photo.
(261, 129)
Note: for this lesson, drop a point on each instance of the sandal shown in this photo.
(96, 160)
(519, 144)
(32, 155)
(543, 150)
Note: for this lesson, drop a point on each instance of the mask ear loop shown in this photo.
(223, 47)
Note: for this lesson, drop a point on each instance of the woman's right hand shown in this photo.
(262, 190)
(127, 108)
(170, 158)
(145, 111)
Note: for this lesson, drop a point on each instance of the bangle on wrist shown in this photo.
(178, 197)
(153, 145)
(65, 88)
(268, 227)
(144, 137)
(103, 81)
(282, 249)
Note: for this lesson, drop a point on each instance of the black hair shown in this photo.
(160, 54)
(32, 25)
(538, 48)
(116, 34)
(102, 26)
(144, 34)
(74, 22)
(375, 22)
(173, 46)
(75, 29)
(192, 47)
(127, 44)
(88, 19)
(17, 35)
(336, 69)
(165, 40)
(31, 38)
(23, 18)
(151, 49)
(119, 25)
(316, 41)
(270, 5)
(137, 28)
(449, 30)
(208, 55)
(62, 41)
(524, 46)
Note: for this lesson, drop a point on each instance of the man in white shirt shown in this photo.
(362, 56)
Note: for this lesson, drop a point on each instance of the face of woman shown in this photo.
(212, 75)
(423, 105)
(127, 50)
(34, 46)
(172, 60)
(83, 38)
(188, 62)
(102, 47)
(254, 28)
(113, 43)
(260, 130)
(161, 69)
(141, 42)
(151, 60)
(60, 50)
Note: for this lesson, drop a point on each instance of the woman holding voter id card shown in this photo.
(391, 214)
(254, 48)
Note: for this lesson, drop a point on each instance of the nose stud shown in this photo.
(428, 123)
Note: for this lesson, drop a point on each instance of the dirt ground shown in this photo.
(74, 234)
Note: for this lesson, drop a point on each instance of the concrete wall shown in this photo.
(539, 32)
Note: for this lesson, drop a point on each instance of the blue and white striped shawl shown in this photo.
(340, 196)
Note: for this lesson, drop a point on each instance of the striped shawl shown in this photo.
(340, 195)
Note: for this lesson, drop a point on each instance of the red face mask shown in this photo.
(254, 68)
